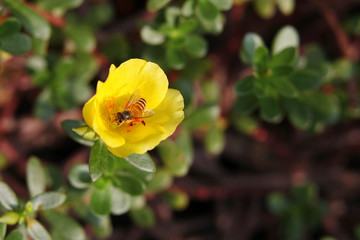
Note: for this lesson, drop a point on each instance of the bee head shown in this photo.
(126, 115)
(120, 117)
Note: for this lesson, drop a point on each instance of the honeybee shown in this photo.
(134, 110)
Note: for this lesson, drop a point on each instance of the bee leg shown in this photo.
(143, 122)
(131, 124)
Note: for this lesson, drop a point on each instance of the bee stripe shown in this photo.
(139, 106)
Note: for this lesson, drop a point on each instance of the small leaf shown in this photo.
(48, 200)
(184, 142)
(142, 162)
(44, 107)
(2, 225)
(174, 159)
(144, 217)
(161, 181)
(129, 183)
(305, 80)
(223, 4)
(175, 56)
(31, 20)
(79, 176)
(68, 125)
(10, 26)
(277, 203)
(213, 26)
(10, 218)
(120, 201)
(215, 140)
(245, 86)
(151, 36)
(265, 8)
(98, 160)
(15, 235)
(261, 60)
(100, 201)
(35, 177)
(37, 231)
(171, 15)
(16, 44)
(178, 200)
(270, 109)
(186, 26)
(116, 163)
(64, 227)
(204, 115)
(285, 37)
(250, 43)
(207, 9)
(245, 105)
(299, 113)
(62, 5)
(155, 5)
(8, 198)
(196, 46)
(187, 9)
(283, 87)
(286, 6)
(86, 132)
(326, 107)
(285, 57)
(82, 36)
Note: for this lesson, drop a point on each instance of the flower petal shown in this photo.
(168, 114)
(136, 74)
(89, 112)
(111, 138)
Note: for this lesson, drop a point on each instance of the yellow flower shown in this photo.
(135, 80)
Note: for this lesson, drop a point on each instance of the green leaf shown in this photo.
(196, 46)
(261, 60)
(305, 80)
(277, 203)
(178, 200)
(64, 227)
(82, 36)
(151, 36)
(129, 183)
(31, 20)
(142, 162)
(10, 26)
(215, 140)
(245, 86)
(98, 160)
(213, 26)
(186, 26)
(2, 228)
(184, 142)
(44, 107)
(100, 201)
(265, 8)
(15, 235)
(299, 113)
(223, 4)
(270, 109)
(285, 37)
(207, 9)
(10, 218)
(143, 217)
(37, 231)
(48, 200)
(155, 5)
(250, 43)
(245, 105)
(281, 71)
(285, 57)
(120, 201)
(79, 176)
(171, 15)
(187, 9)
(161, 181)
(56, 177)
(8, 198)
(286, 7)
(326, 107)
(203, 115)
(68, 126)
(175, 56)
(283, 87)
(59, 4)
(35, 177)
(174, 159)
(86, 132)
(16, 44)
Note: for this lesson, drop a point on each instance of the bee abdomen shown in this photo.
(139, 106)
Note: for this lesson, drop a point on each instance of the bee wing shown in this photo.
(146, 113)
(134, 97)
